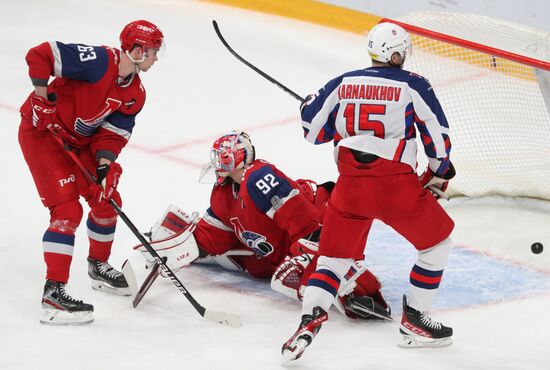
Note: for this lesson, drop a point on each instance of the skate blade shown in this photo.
(299, 349)
(409, 341)
(55, 317)
(104, 287)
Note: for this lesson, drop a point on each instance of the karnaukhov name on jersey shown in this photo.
(373, 92)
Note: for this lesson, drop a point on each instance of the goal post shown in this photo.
(492, 78)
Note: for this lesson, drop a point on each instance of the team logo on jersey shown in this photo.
(258, 243)
(63, 182)
(87, 127)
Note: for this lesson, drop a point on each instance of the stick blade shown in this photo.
(223, 318)
(144, 288)
(130, 277)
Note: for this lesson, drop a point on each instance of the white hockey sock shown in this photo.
(426, 275)
(323, 284)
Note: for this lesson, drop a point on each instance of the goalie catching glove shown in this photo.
(172, 238)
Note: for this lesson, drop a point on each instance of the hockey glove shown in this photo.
(307, 101)
(43, 112)
(108, 176)
(435, 184)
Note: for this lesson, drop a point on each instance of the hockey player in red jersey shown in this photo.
(91, 104)
(373, 115)
(262, 222)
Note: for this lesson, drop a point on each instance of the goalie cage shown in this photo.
(493, 81)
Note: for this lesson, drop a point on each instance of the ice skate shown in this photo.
(420, 331)
(107, 279)
(59, 308)
(308, 329)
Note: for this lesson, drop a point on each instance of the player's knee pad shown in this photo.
(340, 266)
(435, 258)
(66, 217)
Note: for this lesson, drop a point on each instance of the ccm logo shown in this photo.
(144, 28)
(63, 182)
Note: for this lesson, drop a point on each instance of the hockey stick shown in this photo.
(219, 317)
(256, 69)
(144, 288)
(138, 294)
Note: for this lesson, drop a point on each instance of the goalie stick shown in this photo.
(252, 66)
(144, 288)
(219, 317)
(138, 294)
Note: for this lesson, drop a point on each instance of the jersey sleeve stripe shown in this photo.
(212, 220)
(57, 64)
(108, 126)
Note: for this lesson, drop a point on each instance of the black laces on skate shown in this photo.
(108, 270)
(427, 320)
(66, 296)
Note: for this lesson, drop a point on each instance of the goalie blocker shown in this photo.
(173, 240)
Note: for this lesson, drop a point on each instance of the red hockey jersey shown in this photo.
(266, 213)
(91, 105)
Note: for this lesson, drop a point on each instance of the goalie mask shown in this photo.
(230, 153)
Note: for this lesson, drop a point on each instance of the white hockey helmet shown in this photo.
(387, 38)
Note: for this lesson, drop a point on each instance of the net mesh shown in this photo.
(500, 124)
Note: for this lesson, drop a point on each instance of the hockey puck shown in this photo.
(537, 248)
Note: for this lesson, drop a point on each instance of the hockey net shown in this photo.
(492, 79)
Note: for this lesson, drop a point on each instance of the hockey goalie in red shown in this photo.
(264, 223)
(91, 105)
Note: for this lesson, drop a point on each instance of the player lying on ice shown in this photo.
(262, 222)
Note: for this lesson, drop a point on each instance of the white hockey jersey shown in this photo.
(378, 110)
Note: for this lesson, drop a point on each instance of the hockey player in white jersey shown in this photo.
(373, 116)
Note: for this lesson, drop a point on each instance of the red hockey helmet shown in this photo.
(231, 152)
(142, 33)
